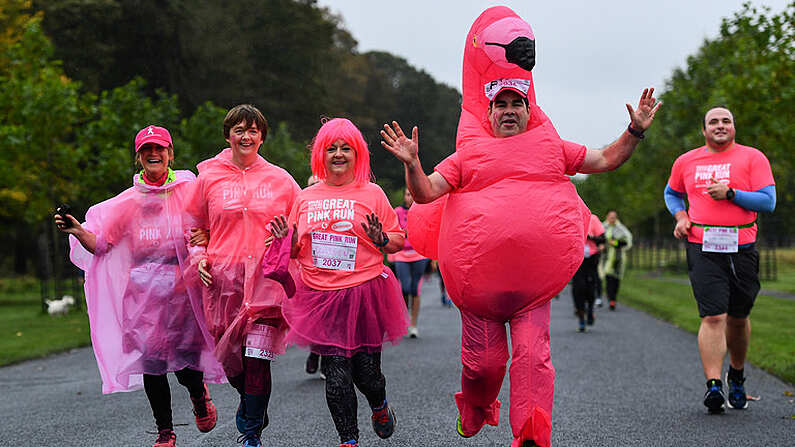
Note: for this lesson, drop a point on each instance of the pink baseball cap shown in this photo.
(153, 134)
(493, 88)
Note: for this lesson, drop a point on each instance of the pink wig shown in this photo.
(340, 129)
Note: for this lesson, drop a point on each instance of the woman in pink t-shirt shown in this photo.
(347, 303)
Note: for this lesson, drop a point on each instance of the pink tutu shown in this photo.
(347, 321)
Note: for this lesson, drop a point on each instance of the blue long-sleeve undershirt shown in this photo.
(674, 200)
(761, 200)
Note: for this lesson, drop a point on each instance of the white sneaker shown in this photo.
(413, 332)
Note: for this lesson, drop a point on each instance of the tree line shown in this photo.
(749, 68)
(79, 78)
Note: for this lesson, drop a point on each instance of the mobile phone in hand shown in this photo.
(62, 211)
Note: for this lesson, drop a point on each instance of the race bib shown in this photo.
(720, 239)
(334, 251)
(259, 342)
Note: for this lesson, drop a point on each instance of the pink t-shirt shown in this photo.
(408, 254)
(334, 250)
(595, 228)
(742, 167)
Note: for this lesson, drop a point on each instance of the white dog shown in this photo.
(60, 307)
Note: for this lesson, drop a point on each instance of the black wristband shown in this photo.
(385, 238)
(730, 194)
(635, 133)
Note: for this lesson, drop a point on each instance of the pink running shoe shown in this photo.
(166, 438)
(204, 410)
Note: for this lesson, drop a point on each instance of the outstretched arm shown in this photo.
(620, 150)
(87, 239)
(424, 188)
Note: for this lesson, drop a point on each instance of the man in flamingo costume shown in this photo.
(508, 227)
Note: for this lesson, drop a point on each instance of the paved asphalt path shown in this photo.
(630, 381)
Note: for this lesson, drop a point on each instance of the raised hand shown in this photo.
(279, 226)
(396, 142)
(643, 116)
(279, 229)
(373, 229)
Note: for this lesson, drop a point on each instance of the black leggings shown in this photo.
(583, 287)
(612, 287)
(159, 393)
(342, 373)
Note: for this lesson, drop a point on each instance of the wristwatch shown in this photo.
(730, 194)
(635, 133)
(384, 240)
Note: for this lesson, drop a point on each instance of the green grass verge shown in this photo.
(772, 345)
(27, 333)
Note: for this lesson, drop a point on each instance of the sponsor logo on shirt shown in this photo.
(342, 226)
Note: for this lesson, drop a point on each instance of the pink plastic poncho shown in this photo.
(510, 235)
(145, 317)
(237, 205)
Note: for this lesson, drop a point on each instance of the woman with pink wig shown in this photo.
(347, 303)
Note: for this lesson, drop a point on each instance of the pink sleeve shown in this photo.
(450, 169)
(675, 181)
(196, 205)
(761, 175)
(574, 155)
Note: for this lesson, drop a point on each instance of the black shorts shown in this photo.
(724, 283)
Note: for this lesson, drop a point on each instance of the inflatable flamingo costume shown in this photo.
(508, 236)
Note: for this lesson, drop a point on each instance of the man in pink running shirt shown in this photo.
(726, 184)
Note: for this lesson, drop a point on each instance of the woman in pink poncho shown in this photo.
(510, 233)
(236, 195)
(146, 317)
(347, 303)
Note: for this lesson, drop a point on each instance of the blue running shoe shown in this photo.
(384, 421)
(714, 397)
(251, 440)
(737, 397)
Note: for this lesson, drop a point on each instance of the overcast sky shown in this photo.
(592, 56)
